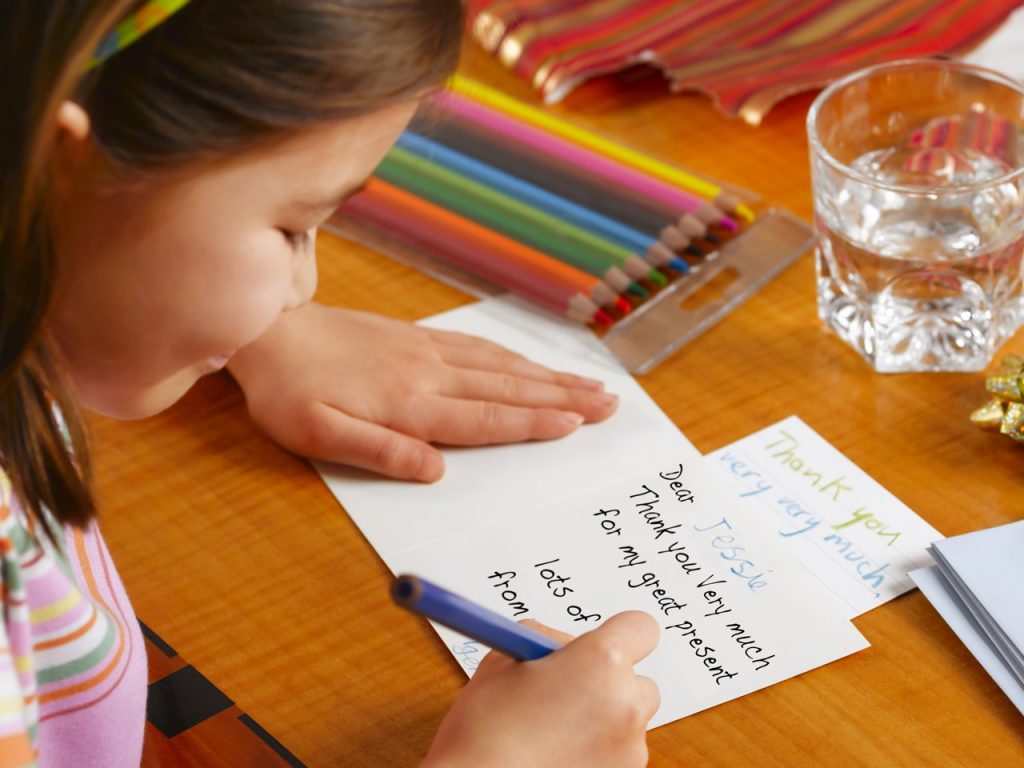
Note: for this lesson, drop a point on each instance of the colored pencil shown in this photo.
(648, 247)
(470, 619)
(485, 253)
(517, 220)
(497, 100)
(563, 178)
(571, 158)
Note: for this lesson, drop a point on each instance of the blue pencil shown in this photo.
(472, 620)
(531, 194)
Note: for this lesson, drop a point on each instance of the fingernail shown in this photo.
(606, 398)
(431, 468)
(586, 383)
(572, 419)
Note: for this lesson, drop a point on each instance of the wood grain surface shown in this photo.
(237, 556)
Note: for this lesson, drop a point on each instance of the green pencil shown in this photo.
(525, 223)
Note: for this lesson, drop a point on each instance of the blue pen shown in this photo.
(474, 621)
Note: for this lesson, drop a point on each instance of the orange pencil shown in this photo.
(485, 253)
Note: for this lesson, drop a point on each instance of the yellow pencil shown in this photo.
(638, 160)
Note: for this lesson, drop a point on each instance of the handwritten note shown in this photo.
(571, 531)
(485, 484)
(847, 530)
(737, 613)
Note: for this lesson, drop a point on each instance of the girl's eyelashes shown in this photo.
(297, 240)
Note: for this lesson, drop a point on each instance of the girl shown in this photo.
(157, 222)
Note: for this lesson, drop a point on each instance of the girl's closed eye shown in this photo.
(298, 241)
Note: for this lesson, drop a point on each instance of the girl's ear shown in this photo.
(71, 152)
(72, 121)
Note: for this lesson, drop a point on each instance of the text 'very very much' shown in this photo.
(842, 527)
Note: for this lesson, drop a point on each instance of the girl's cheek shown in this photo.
(260, 312)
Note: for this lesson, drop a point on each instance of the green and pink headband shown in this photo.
(151, 15)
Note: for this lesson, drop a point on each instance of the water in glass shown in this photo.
(920, 281)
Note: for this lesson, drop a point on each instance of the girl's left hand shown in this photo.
(373, 392)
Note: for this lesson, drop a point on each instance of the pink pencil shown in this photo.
(601, 169)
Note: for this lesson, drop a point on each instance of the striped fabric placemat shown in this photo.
(746, 54)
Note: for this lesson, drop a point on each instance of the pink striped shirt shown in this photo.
(72, 658)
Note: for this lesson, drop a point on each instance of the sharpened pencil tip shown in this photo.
(638, 290)
(603, 318)
(727, 201)
(679, 265)
(622, 306)
(673, 238)
(657, 277)
(691, 226)
(708, 213)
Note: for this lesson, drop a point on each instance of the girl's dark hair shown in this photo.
(217, 77)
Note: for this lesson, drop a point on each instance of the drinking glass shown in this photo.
(918, 188)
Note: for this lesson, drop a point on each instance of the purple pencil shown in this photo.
(595, 166)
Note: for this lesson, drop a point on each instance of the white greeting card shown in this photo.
(737, 612)
(847, 530)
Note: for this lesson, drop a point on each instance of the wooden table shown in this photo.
(237, 556)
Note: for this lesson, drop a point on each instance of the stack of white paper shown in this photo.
(975, 586)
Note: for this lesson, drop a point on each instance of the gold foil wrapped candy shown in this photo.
(1005, 411)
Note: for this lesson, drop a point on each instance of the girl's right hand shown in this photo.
(580, 706)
